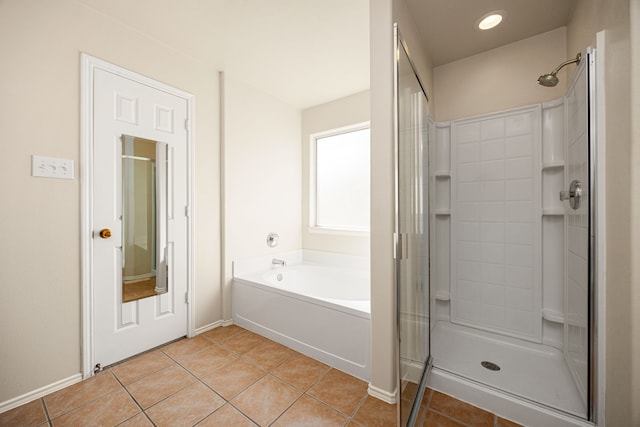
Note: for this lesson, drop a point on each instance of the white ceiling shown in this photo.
(447, 26)
(303, 52)
(310, 52)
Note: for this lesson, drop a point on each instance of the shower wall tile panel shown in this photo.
(495, 205)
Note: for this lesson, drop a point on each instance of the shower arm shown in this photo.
(567, 62)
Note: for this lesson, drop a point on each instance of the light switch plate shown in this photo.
(51, 167)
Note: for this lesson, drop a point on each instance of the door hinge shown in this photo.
(187, 211)
(400, 245)
(186, 124)
(186, 298)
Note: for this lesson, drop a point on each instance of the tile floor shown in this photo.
(230, 377)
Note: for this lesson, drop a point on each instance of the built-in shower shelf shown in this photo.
(553, 316)
(556, 211)
(442, 174)
(552, 165)
(442, 296)
(442, 212)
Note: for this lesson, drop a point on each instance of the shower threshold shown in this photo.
(532, 371)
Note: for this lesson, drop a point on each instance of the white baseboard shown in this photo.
(383, 395)
(37, 394)
(213, 325)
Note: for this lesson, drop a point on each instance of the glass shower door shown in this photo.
(412, 234)
(579, 212)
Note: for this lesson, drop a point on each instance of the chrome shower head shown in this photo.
(550, 80)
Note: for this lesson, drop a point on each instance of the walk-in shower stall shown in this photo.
(495, 241)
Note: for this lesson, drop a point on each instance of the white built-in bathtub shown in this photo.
(318, 304)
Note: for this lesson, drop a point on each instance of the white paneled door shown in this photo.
(126, 110)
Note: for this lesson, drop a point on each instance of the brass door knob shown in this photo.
(105, 233)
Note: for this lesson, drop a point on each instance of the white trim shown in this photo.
(338, 231)
(88, 64)
(385, 396)
(40, 392)
(214, 325)
(504, 405)
(601, 238)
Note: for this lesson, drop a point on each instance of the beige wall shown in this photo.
(635, 212)
(40, 45)
(501, 78)
(622, 263)
(383, 341)
(341, 112)
(262, 162)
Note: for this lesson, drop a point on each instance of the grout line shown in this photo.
(127, 391)
(46, 411)
(245, 415)
(358, 406)
(100, 395)
(287, 408)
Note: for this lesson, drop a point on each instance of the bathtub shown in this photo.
(318, 304)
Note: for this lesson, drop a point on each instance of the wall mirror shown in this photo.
(144, 230)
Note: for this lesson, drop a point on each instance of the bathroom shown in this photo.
(228, 231)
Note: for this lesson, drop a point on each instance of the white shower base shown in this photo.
(533, 371)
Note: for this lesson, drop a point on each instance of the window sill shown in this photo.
(337, 232)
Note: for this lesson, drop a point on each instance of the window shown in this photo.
(340, 179)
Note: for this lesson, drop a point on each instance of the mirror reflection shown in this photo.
(143, 179)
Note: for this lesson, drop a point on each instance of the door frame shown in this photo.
(88, 65)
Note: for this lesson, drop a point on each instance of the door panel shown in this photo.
(577, 212)
(123, 107)
(412, 233)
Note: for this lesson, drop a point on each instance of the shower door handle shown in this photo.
(573, 195)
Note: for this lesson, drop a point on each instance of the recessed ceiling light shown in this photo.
(490, 20)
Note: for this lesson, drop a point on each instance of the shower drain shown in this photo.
(490, 365)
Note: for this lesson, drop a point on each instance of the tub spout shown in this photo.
(277, 261)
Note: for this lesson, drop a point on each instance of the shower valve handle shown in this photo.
(573, 195)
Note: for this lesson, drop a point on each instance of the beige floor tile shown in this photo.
(223, 332)
(208, 360)
(139, 420)
(182, 349)
(109, 410)
(232, 378)
(157, 386)
(460, 411)
(376, 413)
(434, 419)
(78, 394)
(506, 423)
(141, 366)
(340, 391)
(308, 412)
(185, 408)
(243, 342)
(227, 416)
(301, 371)
(268, 355)
(409, 391)
(29, 414)
(265, 400)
